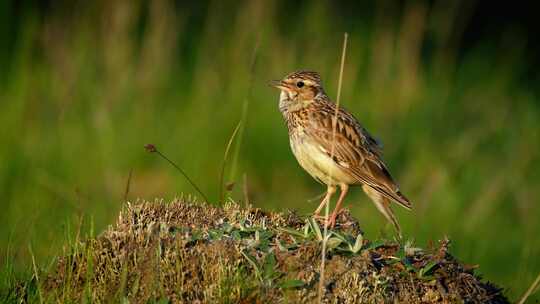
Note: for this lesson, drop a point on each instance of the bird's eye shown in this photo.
(300, 84)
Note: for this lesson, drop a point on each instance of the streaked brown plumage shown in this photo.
(351, 156)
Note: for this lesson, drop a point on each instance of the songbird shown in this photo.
(349, 156)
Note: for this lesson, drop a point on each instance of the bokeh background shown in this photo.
(450, 87)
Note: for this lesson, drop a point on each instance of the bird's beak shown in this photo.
(279, 84)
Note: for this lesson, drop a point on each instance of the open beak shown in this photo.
(279, 84)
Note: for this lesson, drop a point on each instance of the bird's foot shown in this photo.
(318, 216)
(331, 223)
(332, 218)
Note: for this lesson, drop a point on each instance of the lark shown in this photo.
(348, 156)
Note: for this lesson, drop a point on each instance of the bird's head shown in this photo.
(299, 86)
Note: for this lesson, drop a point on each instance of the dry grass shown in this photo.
(195, 253)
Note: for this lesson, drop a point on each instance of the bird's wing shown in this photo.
(355, 150)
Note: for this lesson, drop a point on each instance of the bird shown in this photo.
(334, 148)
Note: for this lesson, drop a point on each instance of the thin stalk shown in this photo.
(332, 151)
(152, 149)
(128, 185)
(529, 291)
(245, 107)
(36, 274)
(246, 191)
(225, 155)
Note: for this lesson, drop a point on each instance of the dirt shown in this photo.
(185, 252)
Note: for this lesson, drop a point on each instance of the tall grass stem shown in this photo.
(332, 151)
(245, 108)
(531, 289)
(36, 274)
(128, 185)
(224, 163)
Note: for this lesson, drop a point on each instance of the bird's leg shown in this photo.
(332, 220)
(329, 192)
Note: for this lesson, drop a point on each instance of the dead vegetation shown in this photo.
(195, 253)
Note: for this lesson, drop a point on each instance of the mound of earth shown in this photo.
(184, 252)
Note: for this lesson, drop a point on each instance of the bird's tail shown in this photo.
(402, 200)
(382, 202)
(396, 196)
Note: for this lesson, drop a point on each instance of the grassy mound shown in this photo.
(196, 253)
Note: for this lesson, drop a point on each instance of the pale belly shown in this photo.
(318, 164)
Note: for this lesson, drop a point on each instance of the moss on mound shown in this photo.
(196, 253)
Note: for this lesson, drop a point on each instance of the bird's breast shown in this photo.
(317, 163)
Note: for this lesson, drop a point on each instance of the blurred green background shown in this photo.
(451, 90)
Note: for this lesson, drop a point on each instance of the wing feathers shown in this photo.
(356, 151)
